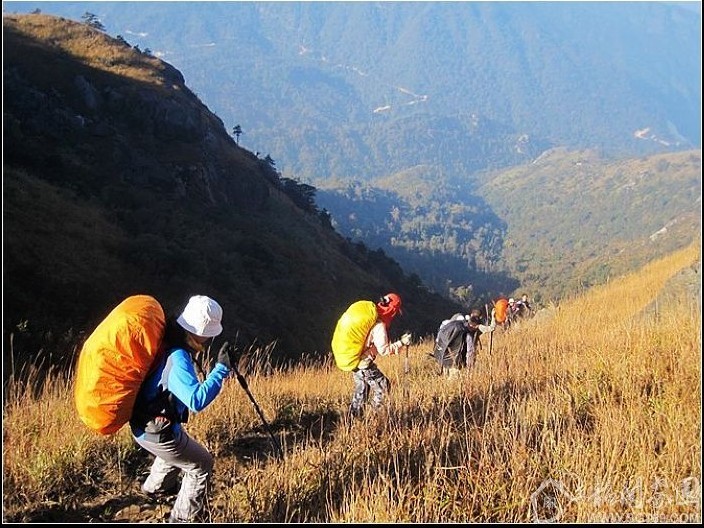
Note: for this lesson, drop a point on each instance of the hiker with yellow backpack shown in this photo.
(166, 397)
(361, 334)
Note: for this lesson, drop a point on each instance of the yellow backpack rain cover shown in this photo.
(351, 333)
(115, 359)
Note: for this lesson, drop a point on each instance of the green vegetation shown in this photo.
(568, 220)
(450, 240)
(575, 220)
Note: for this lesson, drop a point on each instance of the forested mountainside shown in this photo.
(118, 180)
(372, 102)
(575, 220)
(567, 220)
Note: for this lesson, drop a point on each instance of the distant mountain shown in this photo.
(379, 96)
(364, 89)
(575, 219)
(117, 180)
(566, 221)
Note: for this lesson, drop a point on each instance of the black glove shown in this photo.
(224, 355)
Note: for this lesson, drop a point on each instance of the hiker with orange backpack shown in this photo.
(361, 334)
(166, 397)
(502, 313)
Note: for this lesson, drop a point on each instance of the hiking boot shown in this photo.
(200, 517)
(159, 494)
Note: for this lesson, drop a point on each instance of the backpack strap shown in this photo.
(157, 415)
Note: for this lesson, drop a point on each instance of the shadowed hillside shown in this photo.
(118, 180)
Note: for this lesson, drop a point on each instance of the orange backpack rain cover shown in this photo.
(501, 310)
(114, 360)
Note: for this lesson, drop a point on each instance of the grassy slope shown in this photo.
(608, 407)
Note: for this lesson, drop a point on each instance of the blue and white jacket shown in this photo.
(169, 393)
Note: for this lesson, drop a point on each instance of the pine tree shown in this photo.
(237, 132)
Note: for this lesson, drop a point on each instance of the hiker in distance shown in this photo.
(361, 334)
(523, 307)
(478, 327)
(165, 399)
(457, 341)
(501, 312)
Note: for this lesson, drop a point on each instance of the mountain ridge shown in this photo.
(501, 83)
(553, 52)
(119, 180)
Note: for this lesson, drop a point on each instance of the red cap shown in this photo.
(389, 305)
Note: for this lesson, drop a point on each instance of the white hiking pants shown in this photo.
(172, 457)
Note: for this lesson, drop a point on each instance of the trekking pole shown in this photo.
(406, 370)
(491, 334)
(243, 384)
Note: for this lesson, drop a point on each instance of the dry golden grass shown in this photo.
(90, 46)
(590, 412)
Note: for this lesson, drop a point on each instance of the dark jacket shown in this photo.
(454, 345)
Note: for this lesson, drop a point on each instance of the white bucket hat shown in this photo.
(202, 316)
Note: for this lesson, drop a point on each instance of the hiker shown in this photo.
(502, 312)
(362, 334)
(165, 400)
(455, 317)
(457, 342)
(478, 327)
(524, 309)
